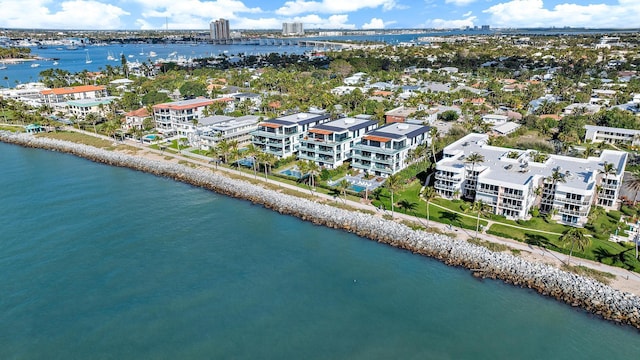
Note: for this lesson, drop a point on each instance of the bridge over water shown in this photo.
(318, 44)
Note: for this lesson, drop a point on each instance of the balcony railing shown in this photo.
(374, 149)
(456, 177)
(271, 135)
(486, 191)
(574, 201)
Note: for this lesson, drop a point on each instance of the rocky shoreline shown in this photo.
(588, 294)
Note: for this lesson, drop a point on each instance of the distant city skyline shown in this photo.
(318, 14)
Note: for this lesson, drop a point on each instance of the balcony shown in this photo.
(485, 191)
(511, 206)
(444, 186)
(574, 201)
(272, 135)
(373, 158)
(506, 195)
(574, 212)
(375, 149)
(455, 177)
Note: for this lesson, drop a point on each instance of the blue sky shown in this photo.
(325, 14)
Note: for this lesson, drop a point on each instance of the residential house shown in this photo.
(385, 151)
(581, 108)
(495, 119)
(331, 144)
(354, 79)
(135, 119)
(399, 114)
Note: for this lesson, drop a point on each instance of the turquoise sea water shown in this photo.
(104, 262)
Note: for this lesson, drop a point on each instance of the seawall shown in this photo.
(592, 296)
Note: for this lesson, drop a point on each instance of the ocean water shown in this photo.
(103, 262)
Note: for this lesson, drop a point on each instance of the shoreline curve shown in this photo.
(575, 290)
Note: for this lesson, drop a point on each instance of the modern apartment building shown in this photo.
(292, 28)
(219, 29)
(214, 129)
(178, 117)
(281, 136)
(330, 144)
(384, 151)
(60, 95)
(81, 108)
(513, 181)
(612, 135)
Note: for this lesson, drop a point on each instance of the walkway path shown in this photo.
(625, 281)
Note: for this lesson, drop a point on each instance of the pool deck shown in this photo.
(359, 180)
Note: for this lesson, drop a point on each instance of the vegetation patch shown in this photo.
(601, 276)
(78, 138)
(489, 245)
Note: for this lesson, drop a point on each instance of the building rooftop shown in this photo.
(185, 104)
(343, 124)
(73, 90)
(400, 130)
(500, 169)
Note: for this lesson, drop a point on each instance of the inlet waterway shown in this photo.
(105, 262)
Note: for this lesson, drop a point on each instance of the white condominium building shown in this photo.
(384, 151)
(513, 181)
(612, 135)
(331, 143)
(281, 136)
(180, 117)
(214, 129)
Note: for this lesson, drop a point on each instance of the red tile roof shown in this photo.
(142, 112)
(73, 90)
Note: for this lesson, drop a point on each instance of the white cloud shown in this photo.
(459, 2)
(532, 13)
(450, 24)
(467, 14)
(310, 22)
(194, 14)
(334, 6)
(73, 14)
(375, 23)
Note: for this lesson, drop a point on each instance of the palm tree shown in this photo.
(576, 237)
(392, 184)
(555, 177)
(481, 208)
(313, 169)
(634, 183)
(252, 151)
(303, 167)
(406, 205)
(429, 194)
(473, 159)
(267, 160)
(224, 147)
(607, 169)
(342, 186)
(92, 118)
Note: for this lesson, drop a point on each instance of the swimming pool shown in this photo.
(357, 188)
(248, 162)
(292, 172)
